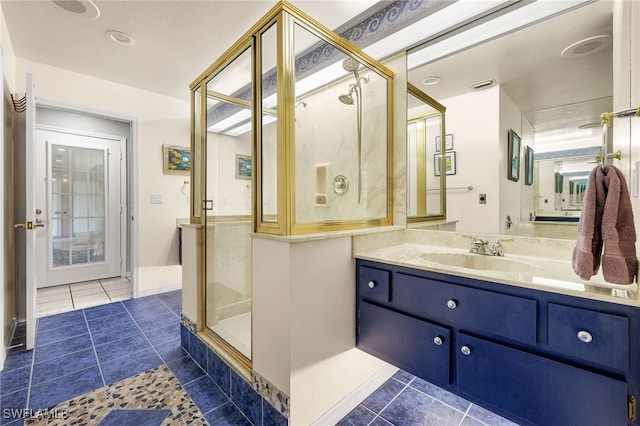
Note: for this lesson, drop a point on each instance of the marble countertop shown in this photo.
(539, 273)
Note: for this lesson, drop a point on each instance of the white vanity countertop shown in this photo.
(539, 273)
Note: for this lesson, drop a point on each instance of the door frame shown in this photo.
(132, 173)
(123, 183)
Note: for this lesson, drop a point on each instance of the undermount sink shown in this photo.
(480, 262)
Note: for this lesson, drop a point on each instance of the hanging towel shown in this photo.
(619, 261)
(588, 249)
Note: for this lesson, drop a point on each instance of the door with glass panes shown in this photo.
(81, 192)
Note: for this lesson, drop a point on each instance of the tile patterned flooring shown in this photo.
(68, 297)
(89, 349)
(84, 358)
(407, 400)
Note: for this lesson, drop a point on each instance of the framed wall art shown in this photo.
(176, 159)
(513, 156)
(449, 163)
(243, 166)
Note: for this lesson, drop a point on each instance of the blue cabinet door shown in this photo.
(538, 390)
(416, 346)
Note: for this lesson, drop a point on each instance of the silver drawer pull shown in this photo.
(371, 284)
(585, 336)
(452, 304)
(438, 340)
(466, 350)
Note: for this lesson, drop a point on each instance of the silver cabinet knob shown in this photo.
(438, 340)
(466, 350)
(371, 284)
(585, 336)
(452, 304)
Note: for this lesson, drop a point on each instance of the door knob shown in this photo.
(30, 225)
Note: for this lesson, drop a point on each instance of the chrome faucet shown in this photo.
(480, 246)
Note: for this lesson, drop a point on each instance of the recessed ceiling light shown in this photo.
(483, 84)
(83, 8)
(431, 81)
(120, 38)
(587, 46)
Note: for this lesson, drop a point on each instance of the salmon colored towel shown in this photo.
(606, 219)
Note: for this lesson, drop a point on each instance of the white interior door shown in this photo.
(82, 194)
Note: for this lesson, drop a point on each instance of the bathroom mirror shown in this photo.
(425, 148)
(548, 82)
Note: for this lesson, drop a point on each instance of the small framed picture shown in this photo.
(448, 142)
(449, 163)
(513, 156)
(243, 166)
(176, 159)
(528, 170)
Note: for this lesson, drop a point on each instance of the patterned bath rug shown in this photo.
(153, 398)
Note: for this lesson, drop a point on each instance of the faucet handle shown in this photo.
(496, 247)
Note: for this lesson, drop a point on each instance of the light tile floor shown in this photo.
(64, 298)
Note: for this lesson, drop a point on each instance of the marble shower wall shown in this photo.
(326, 135)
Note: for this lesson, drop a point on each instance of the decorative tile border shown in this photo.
(278, 399)
(259, 401)
(187, 322)
(370, 29)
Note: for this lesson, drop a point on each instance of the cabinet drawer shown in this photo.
(373, 284)
(589, 335)
(416, 346)
(538, 390)
(501, 314)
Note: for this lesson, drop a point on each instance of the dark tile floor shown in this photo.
(407, 400)
(79, 351)
(84, 350)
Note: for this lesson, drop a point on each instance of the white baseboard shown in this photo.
(158, 290)
(351, 401)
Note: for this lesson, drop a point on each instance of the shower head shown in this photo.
(346, 99)
(350, 64)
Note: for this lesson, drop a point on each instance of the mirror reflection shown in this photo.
(548, 83)
(425, 147)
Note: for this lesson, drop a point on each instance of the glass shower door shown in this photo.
(229, 197)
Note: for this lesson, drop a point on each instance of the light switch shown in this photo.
(156, 198)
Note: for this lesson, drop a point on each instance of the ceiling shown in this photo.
(175, 40)
(553, 92)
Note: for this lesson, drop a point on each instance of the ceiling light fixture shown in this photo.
(431, 81)
(84, 8)
(588, 46)
(120, 38)
(589, 125)
(483, 84)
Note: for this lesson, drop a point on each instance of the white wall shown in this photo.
(161, 120)
(473, 119)
(626, 89)
(511, 192)
(527, 204)
(7, 290)
(230, 196)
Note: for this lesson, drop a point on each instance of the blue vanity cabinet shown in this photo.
(416, 346)
(535, 357)
(537, 389)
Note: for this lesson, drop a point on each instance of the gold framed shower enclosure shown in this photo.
(289, 50)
